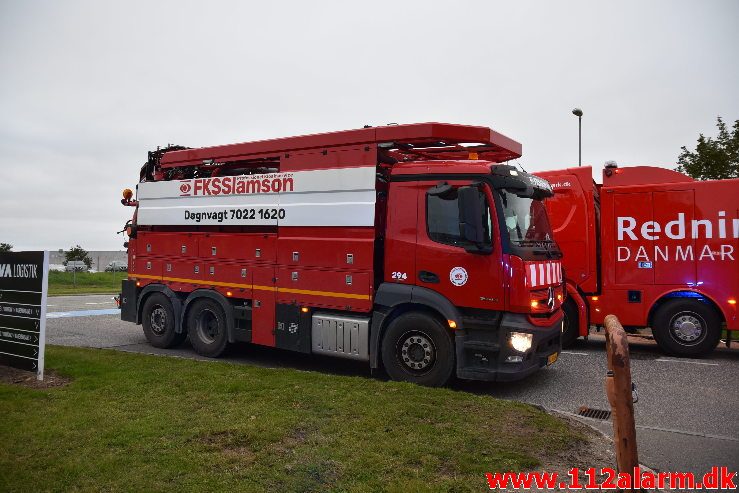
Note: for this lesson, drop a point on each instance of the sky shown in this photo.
(88, 87)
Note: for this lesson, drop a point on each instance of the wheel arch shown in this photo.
(686, 294)
(583, 316)
(150, 289)
(199, 294)
(393, 300)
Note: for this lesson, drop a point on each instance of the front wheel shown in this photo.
(417, 348)
(206, 325)
(686, 327)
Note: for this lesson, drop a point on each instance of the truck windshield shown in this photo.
(526, 220)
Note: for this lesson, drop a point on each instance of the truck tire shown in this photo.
(571, 323)
(157, 318)
(207, 328)
(417, 348)
(686, 327)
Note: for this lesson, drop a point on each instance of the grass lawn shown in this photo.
(147, 423)
(62, 283)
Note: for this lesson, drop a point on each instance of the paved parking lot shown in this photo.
(687, 415)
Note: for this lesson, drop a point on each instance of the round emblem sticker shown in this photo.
(458, 276)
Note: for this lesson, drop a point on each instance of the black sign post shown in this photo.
(23, 288)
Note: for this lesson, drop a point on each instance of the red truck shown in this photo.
(653, 246)
(411, 247)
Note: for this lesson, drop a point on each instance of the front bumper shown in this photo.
(482, 350)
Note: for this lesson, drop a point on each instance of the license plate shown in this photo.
(552, 358)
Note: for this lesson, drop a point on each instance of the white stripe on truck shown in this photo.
(544, 273)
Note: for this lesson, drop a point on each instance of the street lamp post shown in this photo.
(578, 113)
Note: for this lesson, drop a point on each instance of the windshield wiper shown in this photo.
(533, 242)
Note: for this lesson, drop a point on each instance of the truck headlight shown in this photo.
(521, 341)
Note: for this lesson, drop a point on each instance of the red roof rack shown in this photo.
(419, 141)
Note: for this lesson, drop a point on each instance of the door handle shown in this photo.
(426, 276)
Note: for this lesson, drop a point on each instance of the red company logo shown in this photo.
(237, 185)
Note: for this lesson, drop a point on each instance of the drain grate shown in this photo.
(594, 413)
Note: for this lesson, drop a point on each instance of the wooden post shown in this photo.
(618, 389)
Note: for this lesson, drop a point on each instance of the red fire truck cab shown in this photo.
(654, 247)
(407, 246)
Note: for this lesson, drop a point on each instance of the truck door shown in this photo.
(674, 258)
(632, 253)
(442, 264)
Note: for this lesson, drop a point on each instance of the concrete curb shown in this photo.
(609, 437)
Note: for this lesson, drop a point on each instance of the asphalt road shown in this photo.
(687, 415)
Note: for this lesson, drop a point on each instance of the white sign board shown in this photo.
(24, 285)
(327, 197)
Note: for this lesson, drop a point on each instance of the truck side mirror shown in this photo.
(471, 227)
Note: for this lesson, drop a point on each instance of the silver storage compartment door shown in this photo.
(345, 337)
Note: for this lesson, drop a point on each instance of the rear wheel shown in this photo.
(686, 327)
(417, 348)
(570, 323)
(159, 322)
(206, 325)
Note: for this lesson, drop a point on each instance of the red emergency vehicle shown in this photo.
(407, 246)
(654, 247)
